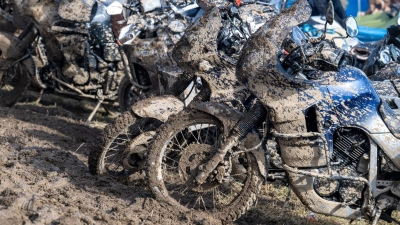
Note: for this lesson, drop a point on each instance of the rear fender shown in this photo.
(230, 117)
(159, 107)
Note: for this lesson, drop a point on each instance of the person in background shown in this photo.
(381, 14)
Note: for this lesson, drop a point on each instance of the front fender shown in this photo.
(227, 115)
(159, 107)
(230, 117)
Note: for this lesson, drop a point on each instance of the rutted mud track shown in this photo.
(44, 177)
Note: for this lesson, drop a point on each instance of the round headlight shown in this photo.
(384, 57)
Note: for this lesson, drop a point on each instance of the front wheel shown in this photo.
(187, 141)
(13, 83)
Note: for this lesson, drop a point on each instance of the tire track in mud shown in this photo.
(44, 177)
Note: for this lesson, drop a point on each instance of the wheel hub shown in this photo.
(136, 149)
(192, 157)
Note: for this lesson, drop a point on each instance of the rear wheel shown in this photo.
(186, 141)
(122, 148)
(14, 82)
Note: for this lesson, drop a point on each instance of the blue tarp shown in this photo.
(370, 34)
(352, 7)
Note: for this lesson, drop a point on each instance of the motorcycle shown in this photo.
(373, 57)
(337, 138)
(111, 50)
(206, 52)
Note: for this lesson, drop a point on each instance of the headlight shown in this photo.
(384, 56)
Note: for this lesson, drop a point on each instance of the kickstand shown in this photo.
(40, 96)
(286, 201)
(93, 112)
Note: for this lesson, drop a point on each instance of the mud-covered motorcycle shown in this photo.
(337, 139)
(105, 51)
(206, 51)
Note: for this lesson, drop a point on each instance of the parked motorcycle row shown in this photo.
(247, 97)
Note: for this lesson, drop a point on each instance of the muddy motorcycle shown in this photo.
(211, 56)
(93, 52)
(377, 59)
(337, 138)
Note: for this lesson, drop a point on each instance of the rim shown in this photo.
(179, 163)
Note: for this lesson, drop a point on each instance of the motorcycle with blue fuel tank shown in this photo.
(337, 138)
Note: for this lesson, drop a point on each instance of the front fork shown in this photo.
(255, 116)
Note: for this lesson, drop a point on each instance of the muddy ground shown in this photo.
(44, 178)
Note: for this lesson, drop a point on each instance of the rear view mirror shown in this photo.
(398, 18)
(351, 27)
(329, 12)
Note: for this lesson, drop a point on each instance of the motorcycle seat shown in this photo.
(390, 112)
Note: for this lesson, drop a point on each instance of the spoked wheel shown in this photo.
(187, 141)
(13, 84)
(122, 149)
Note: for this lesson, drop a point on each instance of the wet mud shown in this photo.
(45, 179)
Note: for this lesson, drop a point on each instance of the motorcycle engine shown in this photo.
(350, 157)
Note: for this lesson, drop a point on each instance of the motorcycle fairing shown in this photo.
(354, 90)
(76, 10)
(356, 101)
(197, 52)
(159, 107)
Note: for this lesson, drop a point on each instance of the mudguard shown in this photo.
(230, 117)
(227, 115)
(159, 107)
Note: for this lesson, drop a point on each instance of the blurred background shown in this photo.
(373, 16)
